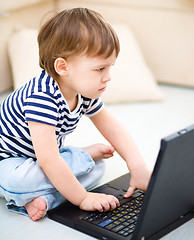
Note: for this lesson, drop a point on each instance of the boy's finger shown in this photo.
(129, 192)
(112, 206)
(98, 207)
(108, 204)
(114, 203)
(117, 202)
(108, 155)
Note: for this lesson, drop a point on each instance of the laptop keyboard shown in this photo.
(122, 220)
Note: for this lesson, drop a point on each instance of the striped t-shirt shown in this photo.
(39, 100)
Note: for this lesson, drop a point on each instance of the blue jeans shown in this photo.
(22, 179)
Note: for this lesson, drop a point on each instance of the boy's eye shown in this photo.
(100, 69)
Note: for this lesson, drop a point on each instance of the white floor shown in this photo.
(148, 122)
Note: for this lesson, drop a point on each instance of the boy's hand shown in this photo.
(139, 180)
(99, 201)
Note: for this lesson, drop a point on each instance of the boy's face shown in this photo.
(89, 76)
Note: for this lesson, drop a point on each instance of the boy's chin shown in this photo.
(94, 96)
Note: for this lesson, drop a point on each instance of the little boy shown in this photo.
(77, 48)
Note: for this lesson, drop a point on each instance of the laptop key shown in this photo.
(110, 226)
(105, 222)
(125, 234)
(126, 224)
(118, 228)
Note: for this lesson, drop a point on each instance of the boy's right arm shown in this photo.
(59, 173)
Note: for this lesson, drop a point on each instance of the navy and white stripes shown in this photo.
(39, 100)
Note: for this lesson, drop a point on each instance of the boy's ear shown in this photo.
(60, 66)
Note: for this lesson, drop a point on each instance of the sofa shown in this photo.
(151, 92)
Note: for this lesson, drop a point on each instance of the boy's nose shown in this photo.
(106, 78)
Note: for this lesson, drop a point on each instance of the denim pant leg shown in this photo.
(88, 181)
(22, 180)
(84, 168)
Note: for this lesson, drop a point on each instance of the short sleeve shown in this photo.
(95, 107)
(41, 107)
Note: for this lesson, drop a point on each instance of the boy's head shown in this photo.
(74, 32)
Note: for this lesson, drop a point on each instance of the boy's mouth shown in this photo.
(102, 89)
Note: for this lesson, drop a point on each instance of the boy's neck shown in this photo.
(70, 97)
(72, 103)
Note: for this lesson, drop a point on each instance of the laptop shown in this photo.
(167, 203)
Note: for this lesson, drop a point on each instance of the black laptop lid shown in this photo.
(169, 200)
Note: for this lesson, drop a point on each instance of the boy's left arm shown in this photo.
(121, 140)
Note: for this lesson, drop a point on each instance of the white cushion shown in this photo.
(23, 55)
(132, 79)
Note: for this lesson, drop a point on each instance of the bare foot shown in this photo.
(36, 208)
(100, 151)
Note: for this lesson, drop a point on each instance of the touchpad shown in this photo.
(109, 190)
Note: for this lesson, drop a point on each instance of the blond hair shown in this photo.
(73, 32)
